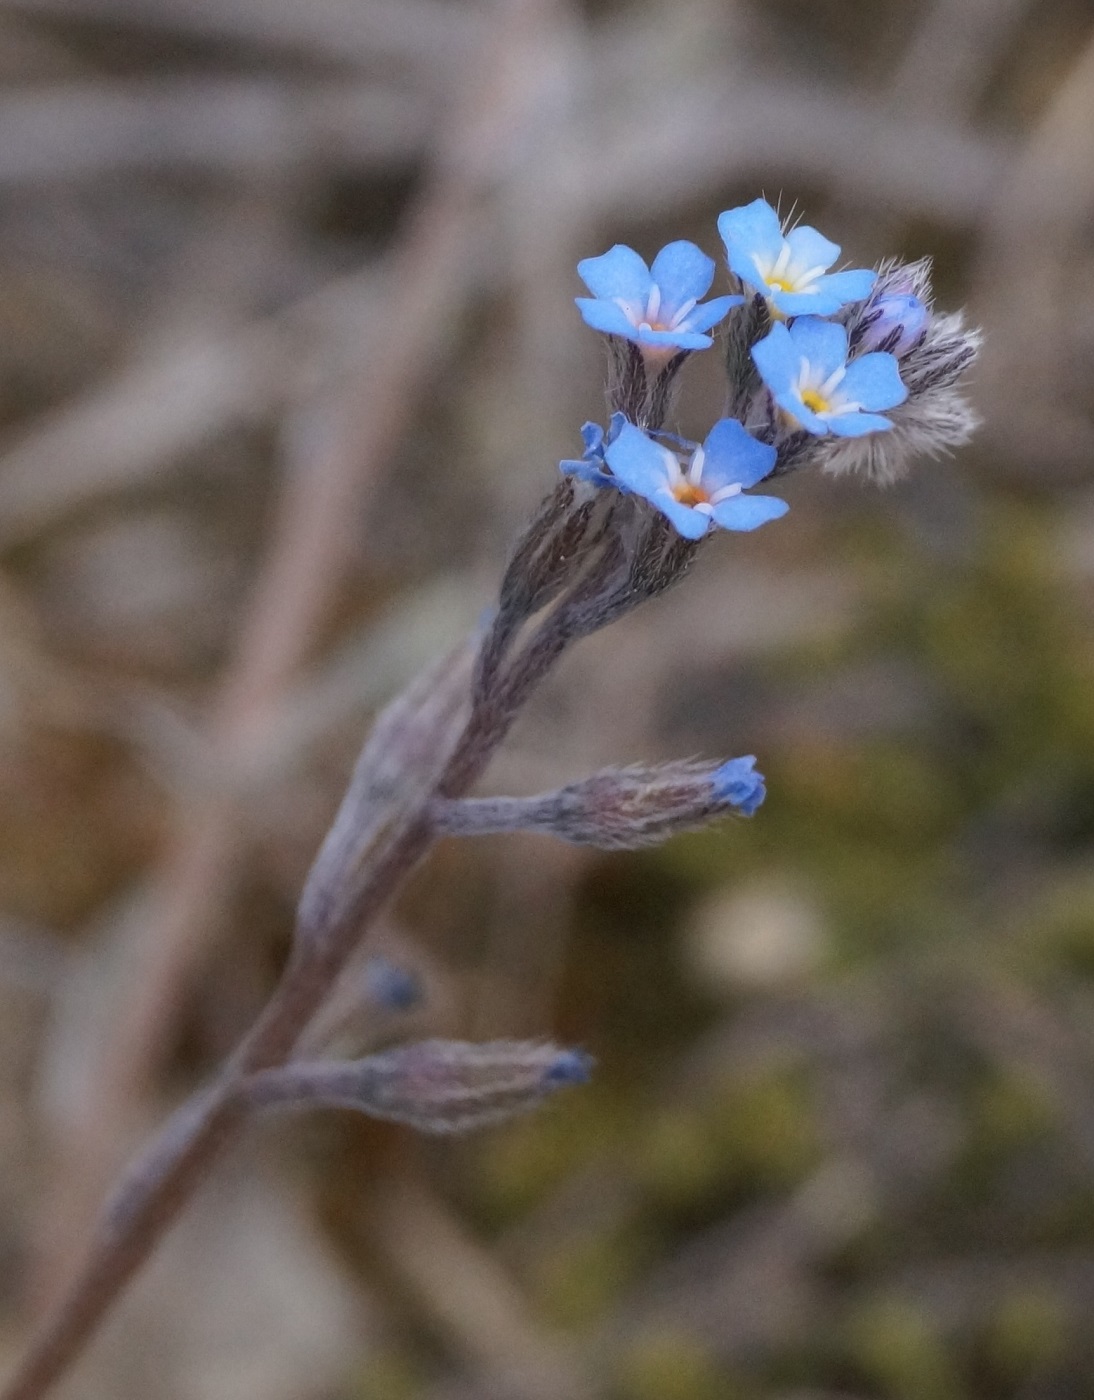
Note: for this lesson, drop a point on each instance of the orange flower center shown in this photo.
(689, 495)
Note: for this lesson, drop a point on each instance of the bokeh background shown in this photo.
(287, 351)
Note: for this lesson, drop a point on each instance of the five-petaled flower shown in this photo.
(708, 491)
(806, 369)
(738, 784)
(657, 307)
(790, 270)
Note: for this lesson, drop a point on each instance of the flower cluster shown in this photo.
(844, 370)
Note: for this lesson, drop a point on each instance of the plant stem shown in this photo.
(159, 1183)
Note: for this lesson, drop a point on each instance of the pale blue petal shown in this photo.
(748, 512)
(738, 784)
(777, 359)
(606, 316)
(750, 231)
(827, 294)
(681, 340)
(855, 284)
(637, 461)
(692, 524)
(592, 435)
(874, 381)
(619, 272)
(822, 343)
(858, 424)
(710, 313)
(586, 471)
(814, 302)
(684, 273)
(810, 249)
(734, 456)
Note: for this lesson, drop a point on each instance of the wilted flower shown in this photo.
(657, 307)
(805, 366)
(591, 466)
(708, 491)
(790, 270)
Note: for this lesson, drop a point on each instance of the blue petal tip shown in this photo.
(392, 986)
(569, 1067)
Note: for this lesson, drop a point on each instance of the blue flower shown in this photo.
(791, 270)
(591, 466)
(805, 367)
(739, 785)
(656, 307)
(709, 489)
(897, 323)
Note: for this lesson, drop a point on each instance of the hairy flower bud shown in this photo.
(617, 808)
(896, 324)
(436, 1086)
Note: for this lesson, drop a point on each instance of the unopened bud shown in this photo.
(618, 808)
(895, 323)
(391, 986)
(436, 1086)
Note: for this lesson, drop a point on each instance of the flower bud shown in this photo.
(436, 1086)
(896, 323)
(617, 808)
(391, 986)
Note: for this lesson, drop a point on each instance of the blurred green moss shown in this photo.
(900, 1350)
(674, 1366)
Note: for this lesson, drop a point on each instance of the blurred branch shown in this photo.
(467, 1297)
(949, 61)
(714, 132)
(437, 37)
(245, 126)
(1033, 235)
(110, 439)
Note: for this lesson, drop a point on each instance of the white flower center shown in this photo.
(688, 488)
(784, 275)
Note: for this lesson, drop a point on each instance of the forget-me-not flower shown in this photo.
(805, 367)
(709, 490)
(791, 270)
(738, 784)
(657, 307)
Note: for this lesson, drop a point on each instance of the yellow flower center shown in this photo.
(781, 284)
(814, 401)
(689, 495)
